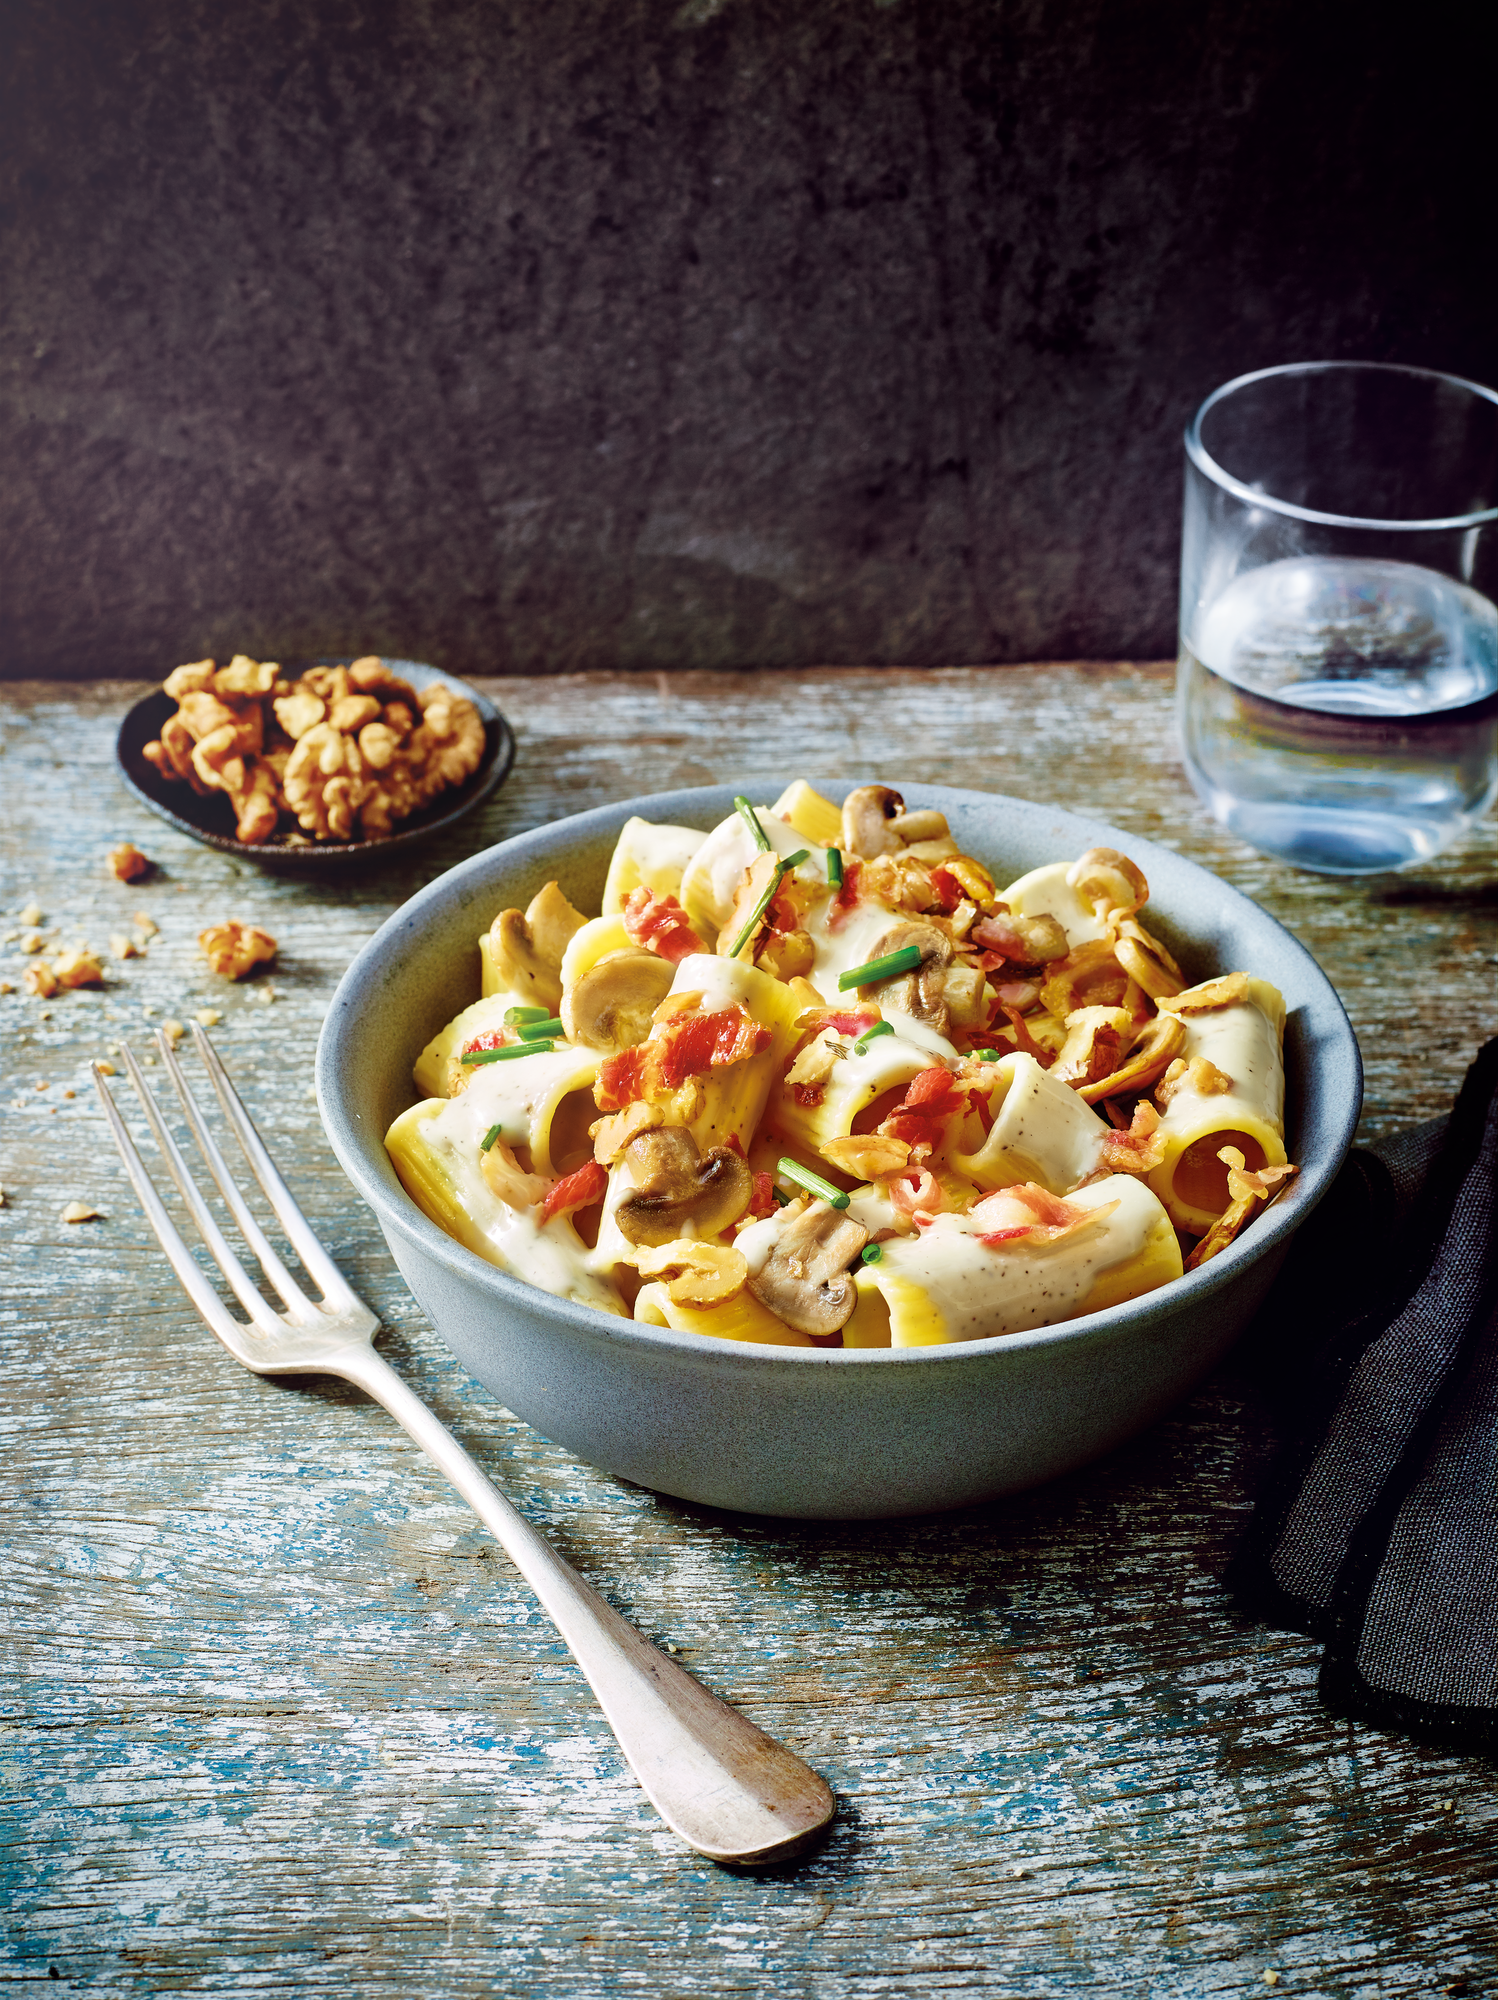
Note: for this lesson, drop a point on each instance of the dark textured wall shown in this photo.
(528, 334)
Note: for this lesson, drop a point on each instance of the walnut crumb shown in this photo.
(234, 949)
(32, 943)
(38, 979)
(174, 1031)
(128, 864)
(70, 1093)
(105, 1067)
(124, 947)
(79, 1211)
(208, 1017)
(7, 986)
(31, 916)
(147, 924)
(78, 968)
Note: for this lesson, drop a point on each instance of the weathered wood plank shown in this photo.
(277, 1717)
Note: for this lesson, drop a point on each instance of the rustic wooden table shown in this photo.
(277, 1716)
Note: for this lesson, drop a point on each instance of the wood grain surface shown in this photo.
(277, 1717)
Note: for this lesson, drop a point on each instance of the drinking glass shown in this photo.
(1337, 692)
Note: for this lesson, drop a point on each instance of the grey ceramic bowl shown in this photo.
(816, 1433)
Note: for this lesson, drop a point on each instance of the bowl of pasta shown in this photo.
(857, 1152)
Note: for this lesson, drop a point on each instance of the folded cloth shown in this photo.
(1378, 1531)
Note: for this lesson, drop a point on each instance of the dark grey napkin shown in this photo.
(1378, 1531)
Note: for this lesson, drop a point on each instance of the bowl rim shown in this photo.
(395, 1210)
(324, 856)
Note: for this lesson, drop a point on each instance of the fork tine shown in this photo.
(296, 1299)
(220, 1320)
(319, 1264)
(208, 1229)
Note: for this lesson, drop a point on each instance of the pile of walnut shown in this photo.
(349, 751)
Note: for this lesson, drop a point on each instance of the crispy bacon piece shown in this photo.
(661, 925)
(1031, 1213)
(1024, 1040)
(931, 1100)
(977, 1103)
(1140, 1149)
(492, 1038)
(573, 1191)
(949, 890)
(762, 1200)
(998, 935)
(917, 1197)
(687, 1045)
(846, 899)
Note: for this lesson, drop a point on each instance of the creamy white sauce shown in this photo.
(755, 1243)
(1042, 1131)
(710, 884)
(654, 854)
(980, 1290)
(554, 1256)
(1244, 1043)
(519, 1097)
(722, 982)
(1045, 892)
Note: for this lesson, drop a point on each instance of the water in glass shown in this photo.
(1343, 712)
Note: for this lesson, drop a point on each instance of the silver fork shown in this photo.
(730, 1791)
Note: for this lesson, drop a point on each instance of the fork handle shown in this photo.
(730, 1791)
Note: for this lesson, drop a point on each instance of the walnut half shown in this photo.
(234, 949)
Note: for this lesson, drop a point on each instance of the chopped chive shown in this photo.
(871, 1253)
(814, 1184)
(508, 1054)
(871, 1034)
(888, 967)
(987, 1055)
(543, 1030)
(750, 818)
(835, 867)
(515, 1015)
(767, 896)
(782, 1200)
(489, 1138)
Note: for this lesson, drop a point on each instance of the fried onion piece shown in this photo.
(1146, 960)
(1149, 1056)
(1246, 1189)
(1096, 1041)
(1211, 993)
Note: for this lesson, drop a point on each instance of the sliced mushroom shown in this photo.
(1096, 1038)
(676, 1186)
(528, 949)
(921, 993)
(612, 1005)
(1108, 882)
(1147, 962)
(1155, 1048)
(805, 1279)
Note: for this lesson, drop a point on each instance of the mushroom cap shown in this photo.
(675, 1186)
(921, 993)
(805, 1280)
(1109, 882)
(867, 812)
(528, 949)
(611, 1006)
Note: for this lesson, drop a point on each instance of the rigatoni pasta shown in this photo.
(811, 1079)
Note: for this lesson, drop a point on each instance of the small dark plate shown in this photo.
(210, 818)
